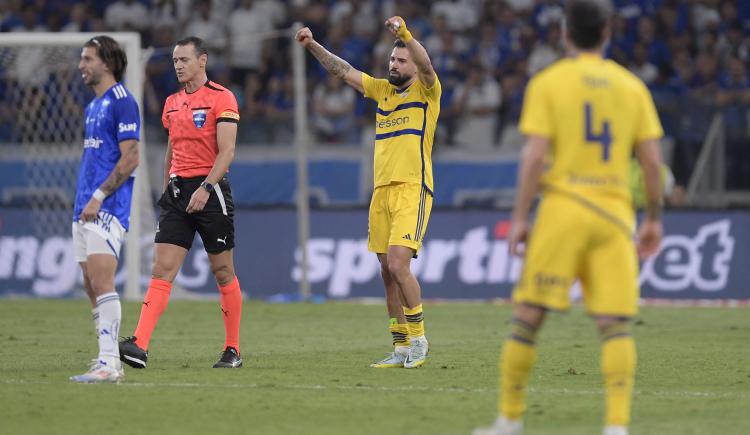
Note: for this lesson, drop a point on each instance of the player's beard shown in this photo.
(397, 79)
(94, 79)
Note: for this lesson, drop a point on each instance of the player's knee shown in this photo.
(101, 284)
(163, 272)
(223, 273)
(384, 272)
(398, 269)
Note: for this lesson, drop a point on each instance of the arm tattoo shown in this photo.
(332, 63)
(119, 175)
(115, 179)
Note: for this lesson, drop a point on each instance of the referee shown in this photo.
(202, 123)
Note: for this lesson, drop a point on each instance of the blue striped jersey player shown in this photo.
(103, 196)
(110, 119)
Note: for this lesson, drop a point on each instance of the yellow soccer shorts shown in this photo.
(399, 214)
(571, 241)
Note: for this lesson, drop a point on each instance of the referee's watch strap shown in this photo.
(208, 187)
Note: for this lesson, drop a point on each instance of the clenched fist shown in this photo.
(394, 24)
(397, 26)
(304, 36)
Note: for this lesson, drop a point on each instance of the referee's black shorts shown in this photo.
(215, 223)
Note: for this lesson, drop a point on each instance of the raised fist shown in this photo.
(304, 36)
(397, 26)
(394, 24)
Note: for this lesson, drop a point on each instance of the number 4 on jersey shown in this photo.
(604, 138)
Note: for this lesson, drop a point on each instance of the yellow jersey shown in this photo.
(594, 112)
(404, 130)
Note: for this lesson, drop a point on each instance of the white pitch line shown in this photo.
(533, 390)
(318, 387)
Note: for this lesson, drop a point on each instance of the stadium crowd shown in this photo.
(693, 54)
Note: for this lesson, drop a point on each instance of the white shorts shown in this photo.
(103, 236)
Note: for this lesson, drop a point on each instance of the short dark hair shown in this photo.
(110, 52)
(586, 21)
(197, 42)
(399, 43)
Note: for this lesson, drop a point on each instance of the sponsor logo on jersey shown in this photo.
(392, 122)
(122, 127)
(92, 142)
(542, 279)
(592, 180)
(199, 117)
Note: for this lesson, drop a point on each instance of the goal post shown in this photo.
(46, 64)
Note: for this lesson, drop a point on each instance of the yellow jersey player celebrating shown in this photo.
(583, 117)
(407, 113)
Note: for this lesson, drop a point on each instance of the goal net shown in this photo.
(43, 99)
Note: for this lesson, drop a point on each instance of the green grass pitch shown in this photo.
(306, 372)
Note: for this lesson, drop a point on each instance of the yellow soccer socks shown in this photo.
(414, 321)
(618, 369)
(401, 342)
(399, 333)
(418, 346)
(618, 361)
(516, 361)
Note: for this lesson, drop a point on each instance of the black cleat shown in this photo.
(230, 359)
(131, 354)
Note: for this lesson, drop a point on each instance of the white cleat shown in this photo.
(100, 373)
(502, 426)
(95, 361)
(615, 430)
(417, 353)
(393, 360)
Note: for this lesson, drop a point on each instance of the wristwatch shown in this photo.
(208, 186)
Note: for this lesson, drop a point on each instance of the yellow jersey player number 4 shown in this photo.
(583, 118)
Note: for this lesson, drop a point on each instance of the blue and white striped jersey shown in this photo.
(110, 119)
